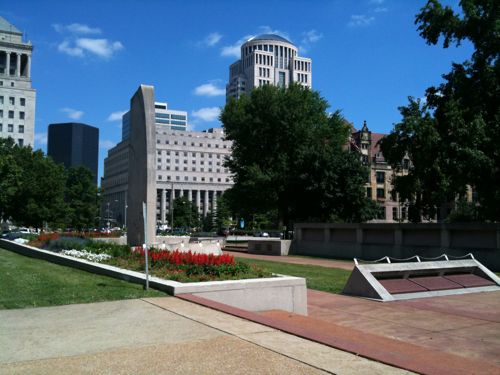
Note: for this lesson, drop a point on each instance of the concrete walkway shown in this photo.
(160, 335)
(328, 263)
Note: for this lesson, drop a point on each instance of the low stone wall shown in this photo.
(269, 246)
(374, 241)
(283, 292)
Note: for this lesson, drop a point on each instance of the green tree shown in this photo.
(81, 198)
(223, 214)
(424, 186)
(288, 155)
(39, 196)
(185, 213)
(10, 173)
(462, 114)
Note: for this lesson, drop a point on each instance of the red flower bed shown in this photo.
(43, 237)
(182, 258)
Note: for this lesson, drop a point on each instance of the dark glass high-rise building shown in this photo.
(74, 144)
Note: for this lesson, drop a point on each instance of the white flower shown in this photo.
(86, 255)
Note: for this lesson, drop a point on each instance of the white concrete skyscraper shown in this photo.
(17, 97)
(267, 59)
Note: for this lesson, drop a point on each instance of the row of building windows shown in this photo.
(20, 114)
(265, 72)
(12, 101)
(10, 128)
(263, 59)
(193, 154)
(302, 65)
(194, 169)
(216, 145)
(11, 84)
(185, 161)
(194, 179)
(302, 77)
(263, 82)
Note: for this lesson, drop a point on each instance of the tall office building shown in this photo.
(167, 118)
(267, 59)
(17, 97)
(74, 144)
(187, 163)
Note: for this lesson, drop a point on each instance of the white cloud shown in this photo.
(100, 47)
(209, 89)
(211, 40)
(78, 46)
(206, 114)
(360, 20)
(380, 10)
(308, 38)
(76, 28)
(234, 50)
(116, 116)
(69, 50)
(72, 113)
(41, 139)
(106, 144)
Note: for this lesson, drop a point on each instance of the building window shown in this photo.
(281, 80)
(22, 101)
(177, 178)
(369, 192)
(160, 177)
(20, 142)
(1, 113)
(21, 128)
(21, 115)
(11, 114)
(1, 99)
(12, 100)
(10, 128)
(380, 177)
(381, 193)
(1, 127)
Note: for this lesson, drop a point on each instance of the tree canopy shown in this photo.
(452, 139)
(34, 190)
(289, 155)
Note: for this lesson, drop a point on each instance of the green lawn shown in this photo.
(320, 278)
(28, 282)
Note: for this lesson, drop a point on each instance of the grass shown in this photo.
(27, 282)
(330, 280)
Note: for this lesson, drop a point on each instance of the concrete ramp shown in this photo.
(390, 279)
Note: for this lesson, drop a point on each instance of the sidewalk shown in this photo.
(160, 335)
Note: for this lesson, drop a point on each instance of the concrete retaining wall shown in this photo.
(374, 241)
(269, 246)
(284, 292)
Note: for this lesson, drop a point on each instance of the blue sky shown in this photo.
(90, 56)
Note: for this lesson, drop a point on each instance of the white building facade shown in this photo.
(17, 97)
(188, 164)
(267, 59)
